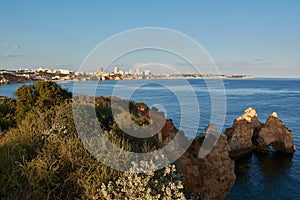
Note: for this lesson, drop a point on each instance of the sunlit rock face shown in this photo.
(210, 177)
(248, 133)
(241, 133)
(275, 134)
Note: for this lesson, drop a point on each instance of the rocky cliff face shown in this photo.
(210, 177)
(8, 78)
(213, 176)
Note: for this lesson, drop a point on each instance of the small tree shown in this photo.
(41, 95)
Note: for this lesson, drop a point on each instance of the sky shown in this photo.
(259, 38)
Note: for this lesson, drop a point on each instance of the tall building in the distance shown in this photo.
(138, 71)
(116, 70)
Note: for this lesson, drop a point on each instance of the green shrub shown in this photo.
(7, 113)
(42, 156)
(41, 95)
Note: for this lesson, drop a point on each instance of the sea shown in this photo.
(194, 103)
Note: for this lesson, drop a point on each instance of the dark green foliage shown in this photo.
(49, 94)
(104, 112)
(7, 112)
(41, 95)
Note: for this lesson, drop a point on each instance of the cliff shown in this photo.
(8, 78)
(213, 176)
(210, 177)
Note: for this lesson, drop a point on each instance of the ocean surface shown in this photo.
(259, 176)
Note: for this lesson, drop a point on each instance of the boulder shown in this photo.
(240, 134)
(210, 177)
(275, 134)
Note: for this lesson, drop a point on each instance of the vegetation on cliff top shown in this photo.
(42, 157)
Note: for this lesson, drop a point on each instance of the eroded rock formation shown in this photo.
(248, 134)
(240, 135)
(275, 134)
(210, 177)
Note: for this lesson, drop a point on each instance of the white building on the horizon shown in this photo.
(138, 71)
(41, 69)
(64, 71)
(147, 72)
(116, 70)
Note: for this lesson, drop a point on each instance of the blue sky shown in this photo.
(243, 37)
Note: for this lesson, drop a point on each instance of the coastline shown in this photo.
(17, 79)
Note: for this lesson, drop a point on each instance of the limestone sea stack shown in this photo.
(275, 134)
(241, 133)
(248, 133)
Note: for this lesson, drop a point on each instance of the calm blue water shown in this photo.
(259, 176)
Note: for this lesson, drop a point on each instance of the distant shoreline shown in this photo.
(11, 79)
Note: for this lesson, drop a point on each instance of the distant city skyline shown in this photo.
(259, 38)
